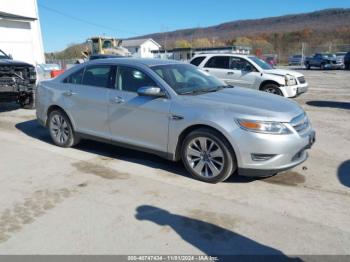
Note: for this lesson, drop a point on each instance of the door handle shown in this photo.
(206, 70)
(117, 100)
(69, 93)
(230, 73)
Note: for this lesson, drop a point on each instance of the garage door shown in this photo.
(16, 39)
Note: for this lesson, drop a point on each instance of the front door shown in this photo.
(140, 121)
(245, 74)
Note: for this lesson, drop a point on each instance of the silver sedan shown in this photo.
(179, 112)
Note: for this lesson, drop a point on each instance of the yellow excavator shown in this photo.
(104, 47)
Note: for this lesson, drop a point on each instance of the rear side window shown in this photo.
(198, 60)
(221, 62)
(97, 76)
(75, 78)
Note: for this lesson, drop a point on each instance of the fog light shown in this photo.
(262, 157)
(298, 155)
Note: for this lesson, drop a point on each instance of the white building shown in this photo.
(141, 48)
(20, 32)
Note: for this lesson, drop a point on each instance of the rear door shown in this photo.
(87, 99)
(139, 121)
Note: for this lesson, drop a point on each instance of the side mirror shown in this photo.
(150, 91)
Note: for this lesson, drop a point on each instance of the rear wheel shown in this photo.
(61, 130)
(272, 89)
(308, 67)
(208, 156)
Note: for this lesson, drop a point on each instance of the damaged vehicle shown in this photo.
(252, 72)
(17, 81)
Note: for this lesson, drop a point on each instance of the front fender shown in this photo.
(278, 79)
(178, 128)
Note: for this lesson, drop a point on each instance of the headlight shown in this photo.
(290, 80)
(264, 127)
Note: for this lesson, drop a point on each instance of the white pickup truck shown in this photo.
(252, 72)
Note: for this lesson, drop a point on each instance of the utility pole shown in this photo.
(165, 40)
(302, 52)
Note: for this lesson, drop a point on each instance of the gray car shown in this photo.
(179, 112)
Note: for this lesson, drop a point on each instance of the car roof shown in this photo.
(221, 54)
(135, 61)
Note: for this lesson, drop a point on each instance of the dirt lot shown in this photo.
(100, 199)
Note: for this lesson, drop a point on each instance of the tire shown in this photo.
(272, 89)
(323, 67)
(308, 67)
(28, 102)
(347, 66)
(197, 155)
(61, 130)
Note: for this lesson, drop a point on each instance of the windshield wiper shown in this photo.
(224, 87)
(194, 92)
(209, 90)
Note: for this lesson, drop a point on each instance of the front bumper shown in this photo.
(11, 89)
(294, 91)
(334, 66)
(286, 151)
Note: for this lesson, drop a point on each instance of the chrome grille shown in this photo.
(301, 123)
(301, 80)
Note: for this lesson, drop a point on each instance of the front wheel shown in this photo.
(28, 101)
(272, 89)
(61, 130)
(208, 156)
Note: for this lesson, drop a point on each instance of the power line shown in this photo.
(85, 21)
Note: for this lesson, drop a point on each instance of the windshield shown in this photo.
(188, 79)
(3, 55)
(261, 63)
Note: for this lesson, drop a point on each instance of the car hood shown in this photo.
(9, 62)
(283, 72)
(249, 104)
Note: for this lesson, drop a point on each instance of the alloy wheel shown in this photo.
(59, 129)
(205, 157)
